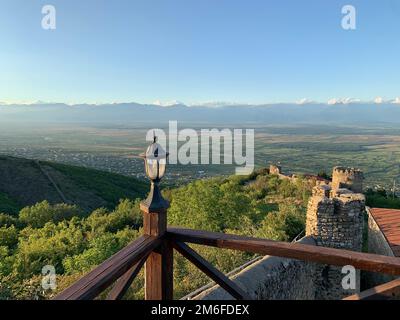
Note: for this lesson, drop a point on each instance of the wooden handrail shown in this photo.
(127, 263)
(216, 275)
(386, 291)
(96, 281)
(338, 257)
(122, 285)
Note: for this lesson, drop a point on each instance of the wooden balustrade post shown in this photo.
(159, 264)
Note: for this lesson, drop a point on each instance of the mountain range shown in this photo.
(125, 113)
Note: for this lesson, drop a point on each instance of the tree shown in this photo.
(283, 225)
(38, 215)
(126, 214)
(99, 250)
(7, 220)
(48, 246)
(212, 205)
(8, 236)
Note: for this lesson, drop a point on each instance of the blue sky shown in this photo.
(253, 51)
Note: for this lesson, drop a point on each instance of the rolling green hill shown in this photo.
(8, 205)
(25, 182)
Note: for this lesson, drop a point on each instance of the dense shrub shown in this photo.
(38, 215)
(8, 236)
(209, 204)
(7, 220)
(99, 250)
(48, 246)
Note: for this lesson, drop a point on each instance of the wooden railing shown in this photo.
(155, 250)
(386, 291)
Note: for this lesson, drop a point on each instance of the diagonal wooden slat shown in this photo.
(122, 285)
(386, 291)
(338, 257)
(216, 275)
(91, 285)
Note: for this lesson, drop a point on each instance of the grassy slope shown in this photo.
(8, 205)
(109, 186)
(23, 184)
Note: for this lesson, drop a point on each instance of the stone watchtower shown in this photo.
(347, 178)
(275, 169)
(335, 220)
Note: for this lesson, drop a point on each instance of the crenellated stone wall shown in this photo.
(335, 219)
(347, 178)
(336, 222)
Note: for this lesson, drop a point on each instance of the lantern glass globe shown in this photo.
(155, 161)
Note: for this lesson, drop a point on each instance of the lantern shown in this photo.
(155, 161)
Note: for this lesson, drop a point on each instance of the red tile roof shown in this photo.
(388, 221)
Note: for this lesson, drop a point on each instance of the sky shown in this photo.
(243, 51)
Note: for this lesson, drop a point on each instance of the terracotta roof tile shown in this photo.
(388, 221)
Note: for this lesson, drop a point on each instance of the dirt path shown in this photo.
(47, 175)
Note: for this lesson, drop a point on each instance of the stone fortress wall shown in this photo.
(277, 170)
(335, 220)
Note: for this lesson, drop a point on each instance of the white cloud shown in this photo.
(304, 101)
(379, 100)
(167, 103)
(19, 102)
(335, 101)
(216, 104)
(396, 100)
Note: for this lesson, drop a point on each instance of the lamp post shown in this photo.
(155, 162)
(159, 264)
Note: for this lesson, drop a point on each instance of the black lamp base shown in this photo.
(155, 201)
